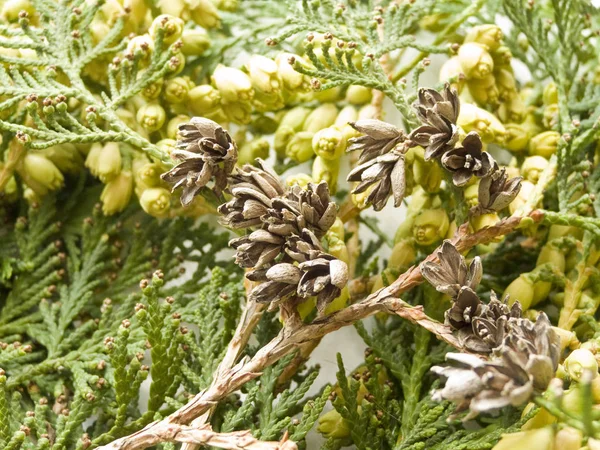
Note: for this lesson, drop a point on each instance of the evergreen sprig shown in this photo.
(49, 101)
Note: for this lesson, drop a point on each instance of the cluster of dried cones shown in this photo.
(283, 247)
(381, 165)
(522, 356)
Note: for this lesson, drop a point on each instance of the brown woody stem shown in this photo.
(295, 334)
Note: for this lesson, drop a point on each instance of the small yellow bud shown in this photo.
(195, 42)
(428, 175)
(40, 174)
(176, 63)
(30, 196)
(487, 35)
(532, 168)
(153, 90)
(283, 136)
(512, 110)
(473, 118)
(98, 30)
(580, 361)
(520, 289)
(329, 143)
(177, 89)
(538, 439)
(250, 151)
(544, 144)
(205, 14)
(471, 195)
(301, 179)
(264, 74)
(453, 69)
(339, 303)
(403, 255)
(346, 114)
(333, 94)
(151, 117)
(568, 339)
(550, 96)
(517, 137)
(507, 85)
(593, 444)
(333, 425)
(539, 420)
(238, 112)
(559, 231)
(337, 247)
(550, 116)
(299, 147)
(326, 170)
(321, 117)
(117, 193)
(203, 99)
(167, 145)
(104, 162)
(233, 84)
(541, 290)
(502, 57)
(149, 174)
(485, 220)
(358, 95)
(475, 60)
(173, 125)
(172, 26)
(551, 255)
(484, 91)
(268, 102)
(292, 80)
(144, 45)
(64, 156)
(430, 226)
(156, 201)
(434, 22)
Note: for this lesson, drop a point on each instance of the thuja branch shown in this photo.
(237, 440)
(249, 319)
(296, 333)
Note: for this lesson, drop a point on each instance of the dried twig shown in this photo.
(204, 435)
(248, 320)
(295, 333)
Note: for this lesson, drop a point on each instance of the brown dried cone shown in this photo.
(317, 274)
(378, 139)
(467, 160)
(311, 208)
(496, 192)
(206, 152)
(438, 112)
(257, 250)
(465, 308)
(323, 277)
(303, 247)
(384, 175)
(279, 282)
(451, 274)
(523, 365)
(490, 326)
(253, 189)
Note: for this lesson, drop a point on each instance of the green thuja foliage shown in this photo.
(79, 333)
(89, 353)
(51, 71)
